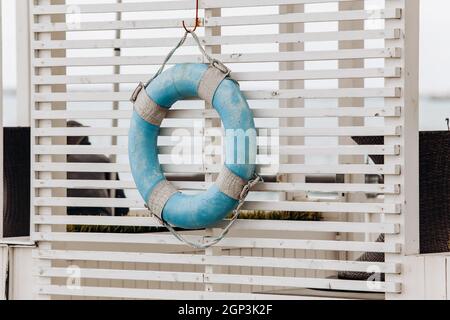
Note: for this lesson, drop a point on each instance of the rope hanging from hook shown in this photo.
(197, 20)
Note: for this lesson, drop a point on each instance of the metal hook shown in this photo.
(197, 22)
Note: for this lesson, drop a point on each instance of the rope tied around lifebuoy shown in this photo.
(209, 241)
(229, 183)
(212, 61)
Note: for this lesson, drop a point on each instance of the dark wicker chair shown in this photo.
(91, 193)
(16, 182)
(434, 196)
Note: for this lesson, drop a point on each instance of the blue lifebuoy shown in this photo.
(151, 104)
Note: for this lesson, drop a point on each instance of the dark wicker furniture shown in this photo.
(434, 195)
(16, 182)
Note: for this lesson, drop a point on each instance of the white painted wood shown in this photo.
(175, 168)
(447, 261)
(435, 274)
(258, 113)
(425, 277)
(219, 40)
(228, 242)
(391, 13)
(388, 52)
(251, 261)
(19, 242)
(413, 278)
(21, 279)
(214, 132)
(165, 151)
(353, 121)
(286, 150)
(43, 54)
(223, 278)
(409, 157)
(3, 270)
(240, 76)
(165, 294)
(325, 226)
(284, 187)
(250, 95)
(208, 140)
(170, 5)
(249, 205)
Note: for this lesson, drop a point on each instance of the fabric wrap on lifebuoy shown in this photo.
(178, 83)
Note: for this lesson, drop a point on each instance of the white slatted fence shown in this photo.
(315, 75)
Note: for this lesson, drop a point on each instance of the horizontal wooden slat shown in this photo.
(341, 150)
(260, 158)
(222, 40)
(278, 113)
(234, 242)
(217, 132)
(189, 185)
(310, 226)
(197, 259)
(223, 21)
(250, 95)
(239, 76)
(170, 159)
(283, 150)
(340, 207)
(225, 58)
(191, 277)
(167, 5)
(390, 13)
(193, 168)
(159, 294)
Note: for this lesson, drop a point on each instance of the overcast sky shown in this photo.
(435, 45)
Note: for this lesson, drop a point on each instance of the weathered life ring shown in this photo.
(151, 104)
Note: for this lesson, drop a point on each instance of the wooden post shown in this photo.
(408, 198)
(47, 211)
(291, 122)
(115, 106)
(47, 106)
(351, 102)
(4, 262)
(215, 251)
(292, 103)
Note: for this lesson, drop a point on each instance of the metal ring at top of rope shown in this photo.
(210, 82)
